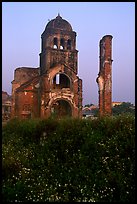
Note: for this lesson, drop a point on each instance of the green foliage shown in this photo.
(88, 105)
(95, 112)
(124, 108)
(69, 160)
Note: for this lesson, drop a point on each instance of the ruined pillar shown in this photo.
(104, 78)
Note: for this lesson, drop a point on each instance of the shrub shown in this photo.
(69, 160)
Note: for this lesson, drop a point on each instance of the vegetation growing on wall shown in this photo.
(69, 160)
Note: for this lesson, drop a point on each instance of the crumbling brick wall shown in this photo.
(104, 78)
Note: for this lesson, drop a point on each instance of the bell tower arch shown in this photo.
(58, 45)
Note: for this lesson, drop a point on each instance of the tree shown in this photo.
(88, 105)
(125, 107)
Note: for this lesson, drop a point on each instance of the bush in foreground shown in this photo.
(69, 160)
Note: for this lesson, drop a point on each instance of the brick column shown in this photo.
(104, 79)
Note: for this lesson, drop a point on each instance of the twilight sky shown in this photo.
(24, 22)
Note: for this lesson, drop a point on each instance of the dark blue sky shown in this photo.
(24, 22)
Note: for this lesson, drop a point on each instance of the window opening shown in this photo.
(62, 44)
(55, 43)
(61, 81)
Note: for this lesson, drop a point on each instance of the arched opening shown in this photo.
(69, 44)
(62, 43)
(61, 108)
(55, 43)
(60, 81)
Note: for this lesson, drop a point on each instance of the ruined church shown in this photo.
(54, 88)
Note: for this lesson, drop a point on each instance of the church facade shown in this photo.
(54, 87)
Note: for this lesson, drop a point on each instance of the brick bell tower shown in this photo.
(104, 78)
(60, 87)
